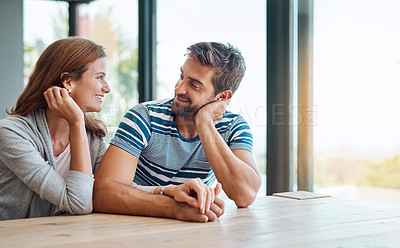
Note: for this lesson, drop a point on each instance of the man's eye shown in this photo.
(180, 76)
(194, 85)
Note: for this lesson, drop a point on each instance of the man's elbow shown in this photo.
(101, 197)
(247, 197)
(97, 199)
(245, 200)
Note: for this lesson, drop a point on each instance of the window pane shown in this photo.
(181, 23)
(44, 22)
(113, 24)
(356, 85)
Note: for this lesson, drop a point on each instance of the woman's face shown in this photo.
(89, 90)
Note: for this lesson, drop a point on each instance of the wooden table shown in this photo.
(269, 222)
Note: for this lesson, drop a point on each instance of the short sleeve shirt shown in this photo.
(149, 132)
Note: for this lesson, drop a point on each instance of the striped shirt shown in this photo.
(149, 132)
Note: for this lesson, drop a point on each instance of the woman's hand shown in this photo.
(59, 101)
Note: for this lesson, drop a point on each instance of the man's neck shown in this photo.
(187, 127)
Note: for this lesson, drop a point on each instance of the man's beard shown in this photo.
(184, 111)
(188, 111)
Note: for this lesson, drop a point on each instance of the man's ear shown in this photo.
(224, 95)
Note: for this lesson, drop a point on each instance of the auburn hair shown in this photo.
(70, 55)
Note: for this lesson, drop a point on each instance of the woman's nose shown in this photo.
(106, 87)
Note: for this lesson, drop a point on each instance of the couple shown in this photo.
(162, 160)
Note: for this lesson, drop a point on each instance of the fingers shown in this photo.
(195, 193)
(189, 213)
(54, 96)
(214, 210)
(198, 186)
(209, 198)
(59, 101)
(182, 196)
(192, 192)
(217, 189)
(218, 207)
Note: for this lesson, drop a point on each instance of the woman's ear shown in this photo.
(66, 82)
(224, 95)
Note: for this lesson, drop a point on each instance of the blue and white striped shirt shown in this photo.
(149, 132)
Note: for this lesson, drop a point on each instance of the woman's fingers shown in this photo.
(58, 100)
(54, 97)
(201, 194)
(203, 198)
(184, 193)
(181, 195)
(209, 198)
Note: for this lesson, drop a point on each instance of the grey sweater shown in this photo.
(29, 184)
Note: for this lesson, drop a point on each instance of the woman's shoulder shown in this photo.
(22, 123)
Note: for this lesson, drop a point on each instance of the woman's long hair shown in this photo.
(70, 55)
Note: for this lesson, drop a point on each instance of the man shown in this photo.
(175, 149)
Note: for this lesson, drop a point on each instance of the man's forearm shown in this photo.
(123, 199)
(113, 197)
(239, 180)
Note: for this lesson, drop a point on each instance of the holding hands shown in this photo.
(198, 196)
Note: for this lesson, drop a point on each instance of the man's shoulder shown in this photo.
(157, 107)
(230, 117)
(157, 111)
(160, 102)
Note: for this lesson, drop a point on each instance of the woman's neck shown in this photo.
(59, 131)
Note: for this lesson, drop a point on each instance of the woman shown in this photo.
(51, 145)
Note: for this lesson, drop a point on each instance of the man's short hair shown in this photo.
(227, 60)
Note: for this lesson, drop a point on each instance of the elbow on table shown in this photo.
(99, 203)
(96, 203)
(81, 207)
(86, 210)
(244, 202)
(245, 198)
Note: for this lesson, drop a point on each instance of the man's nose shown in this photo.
(180, 88)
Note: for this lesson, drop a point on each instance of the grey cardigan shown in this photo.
(29, 184)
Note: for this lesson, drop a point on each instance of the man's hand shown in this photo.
(211, 111)
(185, 212)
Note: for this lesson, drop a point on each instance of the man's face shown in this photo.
(194, 88)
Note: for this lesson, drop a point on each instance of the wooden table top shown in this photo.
(269, 222)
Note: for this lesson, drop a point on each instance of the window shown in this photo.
(44, 22)
(108, 23)
(356, 85)
(181, 23)
(113, 24)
